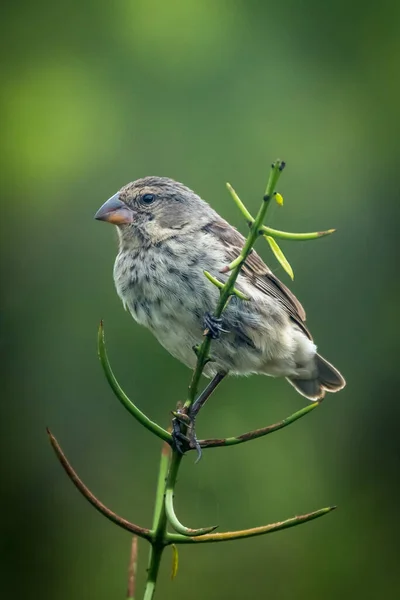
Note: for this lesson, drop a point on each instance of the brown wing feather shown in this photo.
(258, 272)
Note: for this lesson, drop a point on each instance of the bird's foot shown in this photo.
(213, 326)
(181, 441)
(188, 440)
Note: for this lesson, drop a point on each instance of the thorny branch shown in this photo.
(171, 538)
(164, 513)
(228, 288)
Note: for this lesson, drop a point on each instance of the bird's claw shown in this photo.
(192, 437)
(213, 326)
(180, 440)
(183, 442)
(194, 443)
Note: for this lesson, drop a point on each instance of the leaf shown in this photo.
(175, 561)
(280, 256)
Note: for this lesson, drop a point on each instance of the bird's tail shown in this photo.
(328, 380)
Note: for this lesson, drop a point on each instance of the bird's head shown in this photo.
(154, 209)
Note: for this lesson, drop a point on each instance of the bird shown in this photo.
(167, 237)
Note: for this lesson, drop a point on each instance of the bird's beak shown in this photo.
(114, 211)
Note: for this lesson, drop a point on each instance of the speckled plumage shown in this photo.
(163, 250)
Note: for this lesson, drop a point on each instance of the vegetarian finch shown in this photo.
(168, 236)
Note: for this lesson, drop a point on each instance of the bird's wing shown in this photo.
(258, 272)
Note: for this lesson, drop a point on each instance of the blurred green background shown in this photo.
(96, 94)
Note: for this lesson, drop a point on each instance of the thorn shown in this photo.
(224, 269)
(196, 349)
(327, 232)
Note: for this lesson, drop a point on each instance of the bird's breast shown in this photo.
(162, 288)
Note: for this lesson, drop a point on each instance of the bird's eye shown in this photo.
(148, 198)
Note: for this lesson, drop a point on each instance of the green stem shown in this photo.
(167, 476)
(169, 500)
(240, 204)
(238, 262)
(152, 573)
(257, 433)
(159, 527)
(253, 532)
(227, 291)
(122, 397)
(295, 237)
(159, 519)
(284, 235)
(220, 285)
